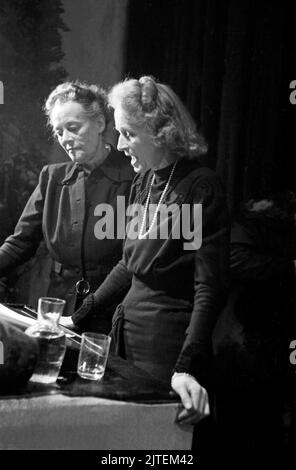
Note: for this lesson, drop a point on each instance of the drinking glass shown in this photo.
(94, 351)
(50, 308)
(50, 338)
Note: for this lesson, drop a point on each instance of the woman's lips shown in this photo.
(134, 160)
(74, 151)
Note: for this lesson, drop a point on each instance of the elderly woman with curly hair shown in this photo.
(174, 282)
(63, 208)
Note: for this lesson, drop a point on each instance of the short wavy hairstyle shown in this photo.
(93, 98)
(156, 107)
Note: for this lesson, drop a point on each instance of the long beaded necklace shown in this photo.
(141, 234)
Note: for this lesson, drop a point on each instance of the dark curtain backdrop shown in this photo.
(232, 63)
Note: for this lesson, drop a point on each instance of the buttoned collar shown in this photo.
(72, 172)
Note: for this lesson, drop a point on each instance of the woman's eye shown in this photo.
(127, 134)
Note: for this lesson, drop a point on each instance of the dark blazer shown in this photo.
(62, 209)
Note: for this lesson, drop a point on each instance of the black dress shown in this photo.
(174, 289)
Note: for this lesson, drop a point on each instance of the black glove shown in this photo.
(93, 317)
(85, 311)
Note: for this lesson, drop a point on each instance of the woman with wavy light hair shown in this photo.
(174, 289)
(156, 108)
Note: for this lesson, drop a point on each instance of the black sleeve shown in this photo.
(110, 292)
(115, 286)
(27, 235)
(211, 278)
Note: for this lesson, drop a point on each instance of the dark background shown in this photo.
(232, 63)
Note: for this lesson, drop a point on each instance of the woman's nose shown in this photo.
(66, 138)
(121, 144)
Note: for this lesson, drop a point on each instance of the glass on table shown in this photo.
(93, 355)
(51, 340)
(50, 308)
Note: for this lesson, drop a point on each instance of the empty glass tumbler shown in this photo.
(94, 351)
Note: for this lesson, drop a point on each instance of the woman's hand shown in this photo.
(67, 322)
(85, 310)
(194, 398)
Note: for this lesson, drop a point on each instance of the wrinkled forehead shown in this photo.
(124, 119)
(63, 112)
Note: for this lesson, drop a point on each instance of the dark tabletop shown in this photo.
(122, 381)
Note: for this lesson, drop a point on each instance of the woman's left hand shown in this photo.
(194, 398)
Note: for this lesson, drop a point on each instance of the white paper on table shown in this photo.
(17, 319)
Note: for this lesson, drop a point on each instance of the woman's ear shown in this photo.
(101, 124)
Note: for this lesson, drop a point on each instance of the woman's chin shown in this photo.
(137, 167)
(79, 158)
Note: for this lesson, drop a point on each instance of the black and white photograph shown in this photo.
(148, 231)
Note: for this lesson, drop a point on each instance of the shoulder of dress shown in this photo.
(203, 172)
(206, 178)
(197, 177)
(59, 171)
(59, 167)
